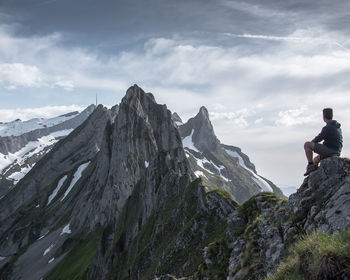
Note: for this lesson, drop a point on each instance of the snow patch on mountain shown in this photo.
(199, 173)
(257, 179)
(66, 230)
(48, 249)
(16, 128)
(16, 176)
(41, 237)
(32, 148)
(76, 177)
(187, 142)
(201, 162)
(262, 183)
(56, 190)
(220, 168)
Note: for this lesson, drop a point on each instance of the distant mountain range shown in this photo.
(23, 143)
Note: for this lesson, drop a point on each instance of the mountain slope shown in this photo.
(265, 231)
(134, 190)
(22, 144)
(18, 127)
(26, 214)
(220, 166)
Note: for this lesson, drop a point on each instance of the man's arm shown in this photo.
(320, 137)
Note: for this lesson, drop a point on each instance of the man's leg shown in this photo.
(317, 159)
(309, 147)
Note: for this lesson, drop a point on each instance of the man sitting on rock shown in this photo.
(332, 142)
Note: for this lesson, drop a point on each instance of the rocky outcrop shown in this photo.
(328, 193)
(272, 225)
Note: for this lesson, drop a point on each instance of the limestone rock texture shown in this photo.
(266, 226)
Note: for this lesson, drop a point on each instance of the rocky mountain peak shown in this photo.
(176, 118)
(221, 166)
(135, 92)
(202, 131)
(203, 112)
(141, 136)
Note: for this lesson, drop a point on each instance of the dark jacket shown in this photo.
(332, 136)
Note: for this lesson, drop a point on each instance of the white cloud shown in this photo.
(258, 121)
(11, 87)
(67, 85)
(24, 114)
(18, 74)
(265, 37)
(240, 117)
(296, 117)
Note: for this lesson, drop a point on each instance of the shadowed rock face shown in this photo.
(203, 133)
(221, 166)
(142, 136)
(32, 146)
(25, 214)
(80, 146)
(176, 118)
(133, 150)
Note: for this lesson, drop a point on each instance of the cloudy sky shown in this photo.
(264, 69)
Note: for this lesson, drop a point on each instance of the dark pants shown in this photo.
(324, 151)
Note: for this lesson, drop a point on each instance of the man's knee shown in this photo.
(309, 146)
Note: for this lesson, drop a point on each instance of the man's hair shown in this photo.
(328, 113)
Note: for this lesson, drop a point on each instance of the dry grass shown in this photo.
(317, 256)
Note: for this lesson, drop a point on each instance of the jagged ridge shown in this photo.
(221, 166)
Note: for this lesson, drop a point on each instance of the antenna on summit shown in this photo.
(96, 99)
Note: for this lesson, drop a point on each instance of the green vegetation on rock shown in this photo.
(317, 256)
(177, 231)
(249, 209)
(223, 193)
(76, 263)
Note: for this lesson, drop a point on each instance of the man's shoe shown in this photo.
(310, 168)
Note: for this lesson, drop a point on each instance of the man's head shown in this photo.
(327, 114)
